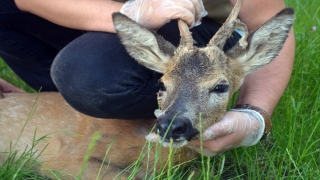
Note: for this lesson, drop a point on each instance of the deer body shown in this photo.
(197, 85)
(70, 133)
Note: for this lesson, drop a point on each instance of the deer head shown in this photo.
(201, 80)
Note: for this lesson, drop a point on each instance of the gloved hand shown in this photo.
(153, 14)
(239, 127)
(6, 87)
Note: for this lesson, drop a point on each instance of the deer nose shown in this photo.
(180, 127)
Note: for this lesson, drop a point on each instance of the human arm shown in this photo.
(262, 88)
(90, 15)
(95, 15)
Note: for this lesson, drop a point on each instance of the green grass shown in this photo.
(22, 165)
(293, 150)
(7, 74)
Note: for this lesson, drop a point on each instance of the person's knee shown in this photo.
(102, 82)
(82, 62)
(80, 90)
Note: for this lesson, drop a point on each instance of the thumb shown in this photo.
(222, 128)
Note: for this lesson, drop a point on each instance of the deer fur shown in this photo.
(196, 81)
(193, 78)
(69, 135)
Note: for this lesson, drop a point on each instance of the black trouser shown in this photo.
(92, 70)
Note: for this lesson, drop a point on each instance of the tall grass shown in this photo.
(293, 150)
(22, 165)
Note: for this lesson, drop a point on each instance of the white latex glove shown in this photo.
(239, 127)
(153, 14)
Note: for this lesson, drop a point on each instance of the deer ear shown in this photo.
(265, 43)
(148, 48)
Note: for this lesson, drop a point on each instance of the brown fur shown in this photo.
(191, 73)
(191, 76)
(70, 134)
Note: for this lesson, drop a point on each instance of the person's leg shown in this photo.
(28, 44)
(97, 77)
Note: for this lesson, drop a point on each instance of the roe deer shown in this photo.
(195, 80)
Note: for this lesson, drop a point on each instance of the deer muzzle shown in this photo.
(179, 129)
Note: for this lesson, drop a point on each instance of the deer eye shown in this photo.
(221, 88)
